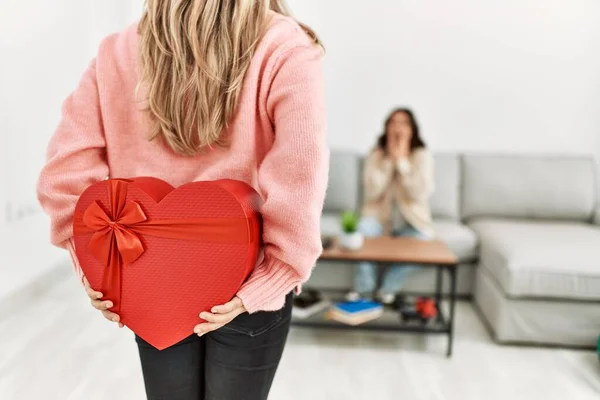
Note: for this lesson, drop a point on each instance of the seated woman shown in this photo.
(398, 181)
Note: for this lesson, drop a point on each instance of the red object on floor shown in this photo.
(426, 308)
(161, 254)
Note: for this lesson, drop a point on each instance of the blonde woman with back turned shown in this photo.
(205, 90)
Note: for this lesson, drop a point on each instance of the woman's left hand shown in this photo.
(220, 316)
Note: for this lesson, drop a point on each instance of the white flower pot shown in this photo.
(352, 241)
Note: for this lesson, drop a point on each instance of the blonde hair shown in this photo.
(194, 57)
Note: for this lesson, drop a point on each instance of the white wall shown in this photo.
(40, 59)
(45, 47)
(494, 76)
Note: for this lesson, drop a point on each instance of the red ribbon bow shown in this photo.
(116, 234)
(112, 235)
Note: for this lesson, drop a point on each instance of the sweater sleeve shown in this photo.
(75, 159)
(416, 176)
(293, 180)
(377, 175)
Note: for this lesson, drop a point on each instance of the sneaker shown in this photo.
(401, 302)
(386, 298)
(353, 296)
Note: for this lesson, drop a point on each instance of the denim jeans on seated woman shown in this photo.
(365, 279)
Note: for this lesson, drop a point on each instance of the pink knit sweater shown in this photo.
(277, 145)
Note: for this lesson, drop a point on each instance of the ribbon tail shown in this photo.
(112, 279)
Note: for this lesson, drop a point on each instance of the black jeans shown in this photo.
(236, 362)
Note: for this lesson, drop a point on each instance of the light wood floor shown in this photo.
(57, 347)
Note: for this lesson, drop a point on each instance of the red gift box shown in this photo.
(163, 255)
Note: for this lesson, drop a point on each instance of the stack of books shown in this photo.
(356, 312)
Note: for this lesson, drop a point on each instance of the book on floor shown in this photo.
(356, 312)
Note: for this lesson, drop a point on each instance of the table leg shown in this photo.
(453, 272)
(381, 268)
(439, 284)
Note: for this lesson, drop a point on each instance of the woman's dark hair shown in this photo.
(416, 141)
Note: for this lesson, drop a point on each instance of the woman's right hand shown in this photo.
(99, 304)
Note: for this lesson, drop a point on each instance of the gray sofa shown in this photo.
(525, 229)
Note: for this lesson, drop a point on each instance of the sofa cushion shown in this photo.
(344, 180)
(445, 199)
(541, 259)
(529, 187)
(535, 321)
(330, 224)
(459, 238)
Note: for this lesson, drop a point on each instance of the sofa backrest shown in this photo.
(445, 201)
(345, 184)
(543, 187)
(344, 180)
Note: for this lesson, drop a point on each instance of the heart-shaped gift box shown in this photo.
(162, 254)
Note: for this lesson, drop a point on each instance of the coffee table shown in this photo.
(386, 251)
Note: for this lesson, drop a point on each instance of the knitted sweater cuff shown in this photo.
(268, 286)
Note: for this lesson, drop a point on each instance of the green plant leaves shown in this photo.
(349, 222)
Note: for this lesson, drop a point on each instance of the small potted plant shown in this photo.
(351, 238)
